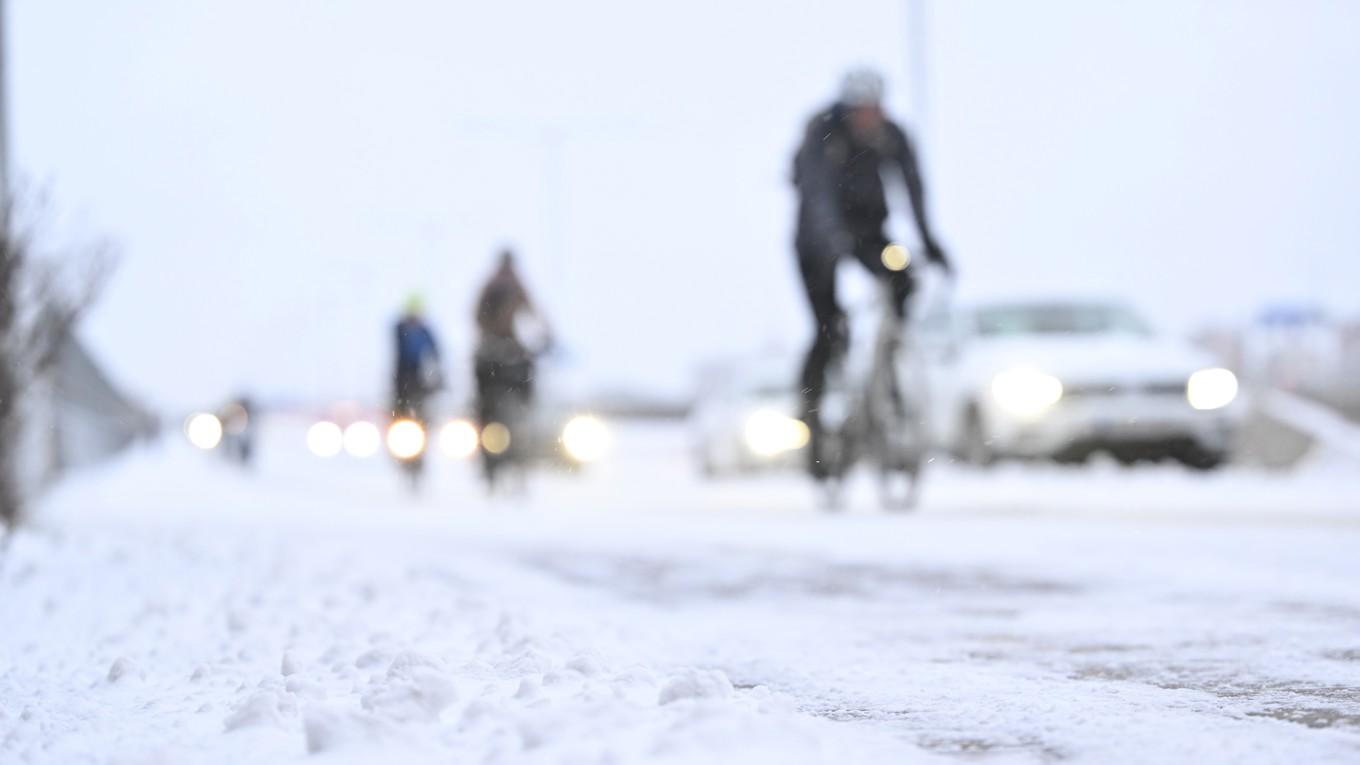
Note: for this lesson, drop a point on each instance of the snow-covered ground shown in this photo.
(168, 609)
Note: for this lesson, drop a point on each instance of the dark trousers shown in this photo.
(817, 266)
(496, 380)
(408, 398)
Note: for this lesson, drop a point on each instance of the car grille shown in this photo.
(1104, 390)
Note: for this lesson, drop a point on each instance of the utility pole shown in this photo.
(11, 381)
(5, 201)
(554, 143)
(918, 59)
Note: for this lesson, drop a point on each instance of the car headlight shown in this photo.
(1211, 389)
(770, 433)
(459, 439)
(361, 439)
(585, 438)
(325, 439)
(1025, 392)
(204, 430)
(406, 439)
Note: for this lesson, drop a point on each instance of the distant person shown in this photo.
(417, 372)
(838, 171)
(501, 303)
(239, 425)
(503, 362)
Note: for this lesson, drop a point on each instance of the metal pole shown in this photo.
(918, 58)
(4, 124)
(554, 142)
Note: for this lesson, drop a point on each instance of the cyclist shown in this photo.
(838, 171)
(239, 426)
(503, 363)
(416, 373)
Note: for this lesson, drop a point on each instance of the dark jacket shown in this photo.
(500, 302)
(840, 182)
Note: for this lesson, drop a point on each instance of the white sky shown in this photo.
(281, 174)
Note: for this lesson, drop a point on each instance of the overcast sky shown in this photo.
(279, 175)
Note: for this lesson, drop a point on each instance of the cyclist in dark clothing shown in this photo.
(838, 172)
(504, 364)
(502, 361)
(503, 299)
(417, 363)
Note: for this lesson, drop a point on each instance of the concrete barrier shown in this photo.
(1326, 427)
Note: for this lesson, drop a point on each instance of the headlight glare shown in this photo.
(459, 439)
(1210, 389)
(204, 430)
(361, 439)
(325, 439)
(1025, 392)
(496, 438)
(405, 439)
(585, 438)
(770, 433)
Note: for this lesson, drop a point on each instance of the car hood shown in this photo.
(1096, 359)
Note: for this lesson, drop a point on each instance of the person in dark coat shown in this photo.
(502, 361)
(839, 171)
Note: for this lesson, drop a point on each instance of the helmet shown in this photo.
(862, 87)
(415, 304)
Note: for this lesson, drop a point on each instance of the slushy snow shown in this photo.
(168, 609)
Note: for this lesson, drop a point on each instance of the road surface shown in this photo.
(168, 609)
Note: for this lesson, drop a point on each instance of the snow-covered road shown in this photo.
(169, 610)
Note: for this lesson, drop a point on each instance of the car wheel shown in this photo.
(1073, 457)
(975, 449)
(1199, 458)
(1127, 457)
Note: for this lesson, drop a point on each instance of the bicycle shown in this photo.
(408, 431)
(505, 376)
(881, 421)
(406, 441)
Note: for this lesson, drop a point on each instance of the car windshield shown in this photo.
(766, 385)
(1006, 321)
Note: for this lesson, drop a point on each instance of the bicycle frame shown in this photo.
(880, 419)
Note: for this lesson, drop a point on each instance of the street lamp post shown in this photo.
(4, 125)
(918, 58)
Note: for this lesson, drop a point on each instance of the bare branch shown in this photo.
(43, 295)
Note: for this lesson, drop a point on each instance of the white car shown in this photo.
(745, 420)
(1063, 379)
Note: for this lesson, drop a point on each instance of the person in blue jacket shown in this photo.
(417, 362)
